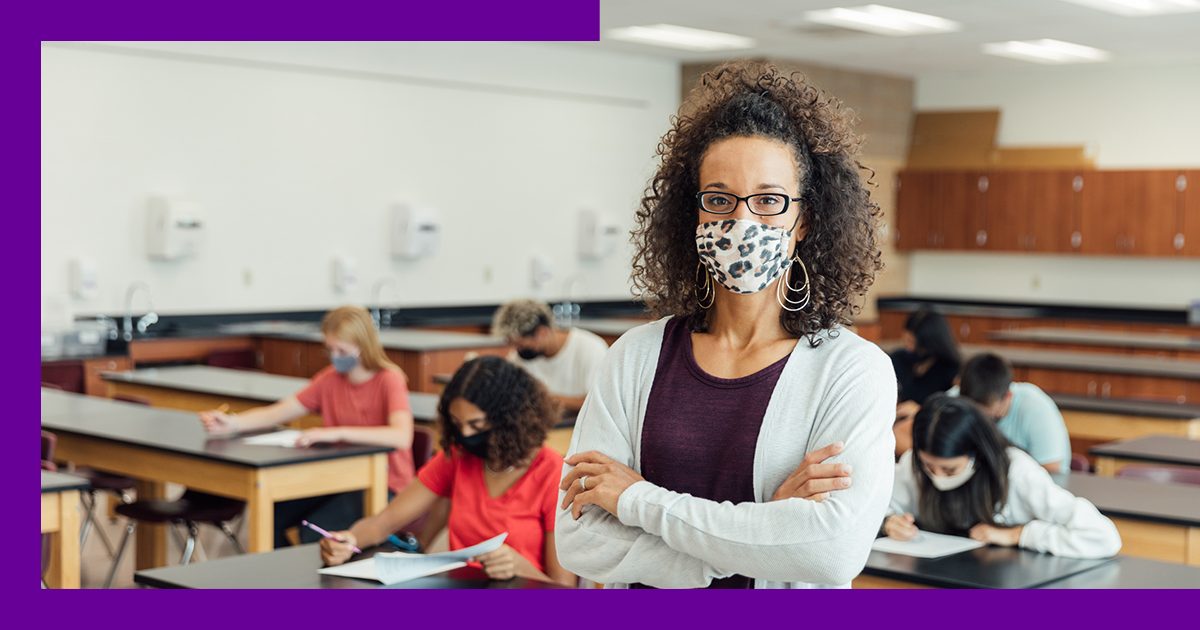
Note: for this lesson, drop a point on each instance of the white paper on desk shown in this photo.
(275, 438)
(395, 567)
(926, 545)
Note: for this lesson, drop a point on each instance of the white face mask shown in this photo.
(950, 482)
(743, 255)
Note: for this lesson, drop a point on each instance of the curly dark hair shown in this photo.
(518, 407)
(754, 99)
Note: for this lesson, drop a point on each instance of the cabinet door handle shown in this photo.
(981, 238)
(1077, 183)
(1105, 389)
(983, 183)
(1076, 239)
(1179, 240)
(1181, 183)
(1091, 388)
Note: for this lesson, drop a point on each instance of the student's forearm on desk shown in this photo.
(412, 502)
(380, 436)
(269, 416)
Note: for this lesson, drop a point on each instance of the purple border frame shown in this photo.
(27, 24)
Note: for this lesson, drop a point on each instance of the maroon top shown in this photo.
(700, 431)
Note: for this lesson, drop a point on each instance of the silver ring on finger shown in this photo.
(583, 482)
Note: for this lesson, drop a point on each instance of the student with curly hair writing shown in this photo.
(493, 468)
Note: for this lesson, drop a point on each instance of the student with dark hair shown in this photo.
(1023, 413)
(927, 364)
(962, 478)
(494, 469)
(930, 359)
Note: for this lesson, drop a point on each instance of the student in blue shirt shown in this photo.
(1023, 413)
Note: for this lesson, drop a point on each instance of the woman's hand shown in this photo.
(596, 479)
(900, 527)
(336, 551)
(814, 480)
(218, 422)
(500, 564)
(992, 535)
(322, 434)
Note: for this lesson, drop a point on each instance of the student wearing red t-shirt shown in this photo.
(494, 469)
(362, 397)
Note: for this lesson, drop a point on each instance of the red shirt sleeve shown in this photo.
(397, 392)
(554, 466)
(438, 474)
(311, 396)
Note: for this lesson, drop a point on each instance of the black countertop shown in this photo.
(59, 482)
(1158, 449)
(1139, 499)
(982, 308)
(1130, 572)
(986, 567)
(1104, 338)
(296, 568)
(177, 432)
(1187, 369)
(1125, 407)
(243, 384)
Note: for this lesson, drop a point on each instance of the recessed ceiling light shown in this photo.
(1046, 51)
(681, 37)
(882, 20)
(1141, 7)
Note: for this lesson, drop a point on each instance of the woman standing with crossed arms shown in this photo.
(688, 467)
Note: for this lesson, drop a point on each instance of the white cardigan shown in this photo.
(844, 389)
(1055, 520)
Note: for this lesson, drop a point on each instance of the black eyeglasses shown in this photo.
(762, 204)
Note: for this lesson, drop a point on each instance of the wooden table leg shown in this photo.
(375, 495)
(151, 538)
(260, 519)
(64, 568)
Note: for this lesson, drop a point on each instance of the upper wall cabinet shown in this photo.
(1090, 212)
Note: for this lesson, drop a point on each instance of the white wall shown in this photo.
(296, 150)
(1129, 118)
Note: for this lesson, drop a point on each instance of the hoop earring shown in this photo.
(706, 288)
(784, 288)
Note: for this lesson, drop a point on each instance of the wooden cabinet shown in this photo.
(82, 376)
(286, 357)
(1187, 240)
(1130, 212)
(93, 383)
(892, 324)
(1096, 212)
(914, 192)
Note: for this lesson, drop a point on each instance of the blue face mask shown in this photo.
(343, 364)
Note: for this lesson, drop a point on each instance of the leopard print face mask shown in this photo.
(743, 255)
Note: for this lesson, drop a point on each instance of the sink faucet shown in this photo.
(147, 320)
(568, 311)
(381, 316)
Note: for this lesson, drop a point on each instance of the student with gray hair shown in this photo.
(564, 360)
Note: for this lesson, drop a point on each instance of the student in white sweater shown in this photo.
(717, 446)
(962, 477)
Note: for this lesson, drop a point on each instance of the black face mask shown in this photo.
(529, 354)
(476, 445)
